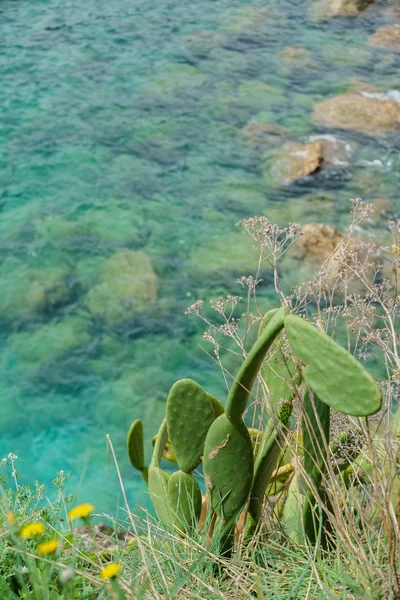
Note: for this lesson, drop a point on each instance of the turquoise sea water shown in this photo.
(121, 151)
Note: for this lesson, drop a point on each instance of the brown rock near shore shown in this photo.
(342, 8)
(294, 160)
(318, 241)
(373, 114)
(387, 37)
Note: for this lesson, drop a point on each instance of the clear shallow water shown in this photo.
(120, 129)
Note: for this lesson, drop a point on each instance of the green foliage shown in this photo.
(228, 466)
(331, 372)
(135, 447)
(241, 465)
(190, 413)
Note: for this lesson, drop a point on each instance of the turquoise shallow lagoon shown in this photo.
(123, 170)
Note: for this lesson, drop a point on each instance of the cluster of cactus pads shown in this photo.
(240, 464)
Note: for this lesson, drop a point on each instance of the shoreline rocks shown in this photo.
(369, 113)
(293, 160)
(343, 8)
(386, 37)
(127, 285)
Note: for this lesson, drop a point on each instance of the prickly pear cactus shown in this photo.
(281, 373)
(331, 372)
(228, 466)
(168, 452)
(228, 461)
(241, 387)
(158, 479)
(190, 414)
(135, 446)
(315, 428)
(268, 455)
(185, 500)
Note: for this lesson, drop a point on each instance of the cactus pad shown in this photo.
(332, 373)
(267, 458)
(189, 416)
(241, 387)
(315, 427)
(168, 452)
(228, 466)
(135, 445)
(217, 406)
(158, 488)
(185, 500)
(158, 480)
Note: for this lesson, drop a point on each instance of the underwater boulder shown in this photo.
(127, 285)
(318, 241)
(387, 37)
(297, 58)
(257, 94)
(262, 134)
(369, 113)
(221, 256)
(51, 341)
(25, 290)
(342, 8)
(293, 160)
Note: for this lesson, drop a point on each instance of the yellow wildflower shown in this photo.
(32, 529)
(82, 511)
(10, 518)
(48, 547)
(396, 250)
(110, 571)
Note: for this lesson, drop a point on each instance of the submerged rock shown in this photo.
(294, 160)
(223, 255)
(127, 285)
(297, 57)
(262, 134)
(25, 291)
(370, 113)
(254, 93)
(52, 341)
(357, 85)
(337, 53)
(342, 8)
(387, 37)
(318, 241)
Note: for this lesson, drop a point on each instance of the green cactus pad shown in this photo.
(217, 406)
(332, 373)
(168, 452)
(241, 387)
(158, 480)
(267, 459)
(281, 375)
(266, 319)
(185, 500)
(292, 517)
(228, 466)
(135, 445)
(189, 416)
(315, 428)
(158, 488)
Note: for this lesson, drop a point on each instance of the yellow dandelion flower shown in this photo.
(82, 511)
(10, 518)
(110, 571)
(48, 547)
(32, 530)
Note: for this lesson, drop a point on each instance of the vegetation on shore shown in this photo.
(51, 548)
